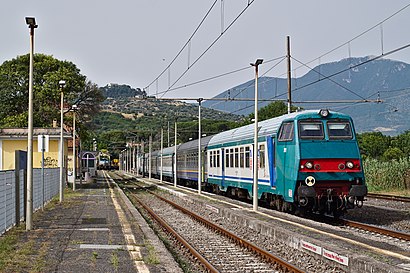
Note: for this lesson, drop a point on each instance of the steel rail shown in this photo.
(388, 232)
(389, 197)
(181, 240)
(265, 254)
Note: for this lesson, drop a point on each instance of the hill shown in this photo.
(366, 79)
(127, 111)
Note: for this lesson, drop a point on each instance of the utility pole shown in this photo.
(289, 76)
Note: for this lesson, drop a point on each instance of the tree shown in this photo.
(47, 72)
(402, 142)
(373, 144)
(393, 153)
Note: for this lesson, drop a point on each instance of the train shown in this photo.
(308, 162)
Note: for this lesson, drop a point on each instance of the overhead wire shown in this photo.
(358, 36)
(209, 47)
(186, 44)
(332, 75)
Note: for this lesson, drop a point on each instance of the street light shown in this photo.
(74, 107)
(62, 85)
(31, 22)
(255, 140)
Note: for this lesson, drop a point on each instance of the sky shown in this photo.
(132, 41)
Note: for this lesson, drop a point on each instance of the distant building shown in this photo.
(12, 139)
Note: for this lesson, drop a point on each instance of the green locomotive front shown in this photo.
(318, 165)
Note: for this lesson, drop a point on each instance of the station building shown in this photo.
(12, 139)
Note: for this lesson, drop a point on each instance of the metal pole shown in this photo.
(81, 165)
(61, 83)
(168, 136)
(29, 202)
(74, 152)
(133, 157)
(42, 169)
(162, 151)
(199, 147)
(289, 77)
(255, 140)
(149, 157)
(176, 157)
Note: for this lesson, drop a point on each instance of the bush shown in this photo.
(387, 176)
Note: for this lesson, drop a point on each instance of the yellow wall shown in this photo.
(50, 158)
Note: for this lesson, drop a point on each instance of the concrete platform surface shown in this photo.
(95, 229)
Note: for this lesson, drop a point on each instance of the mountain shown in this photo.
(347, 79)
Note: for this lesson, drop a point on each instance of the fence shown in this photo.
(12, 194)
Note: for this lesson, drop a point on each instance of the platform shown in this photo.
(95, 229)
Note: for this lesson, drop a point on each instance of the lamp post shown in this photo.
(62, 85)
(74, 107)
(255, 140)
(31, 22)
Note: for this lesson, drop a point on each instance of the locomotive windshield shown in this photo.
(311, 130)
(339, 130)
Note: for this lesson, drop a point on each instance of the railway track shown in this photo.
(375, 229)
(389, 197)
(382, 231)
(217, 249)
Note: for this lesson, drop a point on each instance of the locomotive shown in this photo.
(308, 161)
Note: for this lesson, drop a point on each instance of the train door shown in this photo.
(270, 143)
(262, 168)
(283, 144)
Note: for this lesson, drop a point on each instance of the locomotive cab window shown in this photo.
(339, 130)
(286, 132)
(311, 130)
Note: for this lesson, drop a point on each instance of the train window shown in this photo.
(311, 130)
(339, 130)
(247, 157)
(211, 154)
(217, 159)
(236, 157)
(231, 155)
(262, 156)
(227, 158)
(286, 132)
(242, 157)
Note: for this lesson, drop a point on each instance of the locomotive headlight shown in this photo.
(324, 113)
(309, 165)
(349, 164)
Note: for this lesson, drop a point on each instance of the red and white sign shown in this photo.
(335, 257)
(311, 247)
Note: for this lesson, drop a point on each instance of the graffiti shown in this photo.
(50, 162)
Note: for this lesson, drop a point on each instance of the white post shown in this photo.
(29, 203)
(176, 157)
(62, 84)
(199, 148)
(255, 141)
(149, 157)
(162, 150)
(74, 151)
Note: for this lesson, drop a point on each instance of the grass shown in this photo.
(16, 256)
(152, 257)
(8, 244)
(114, 260)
